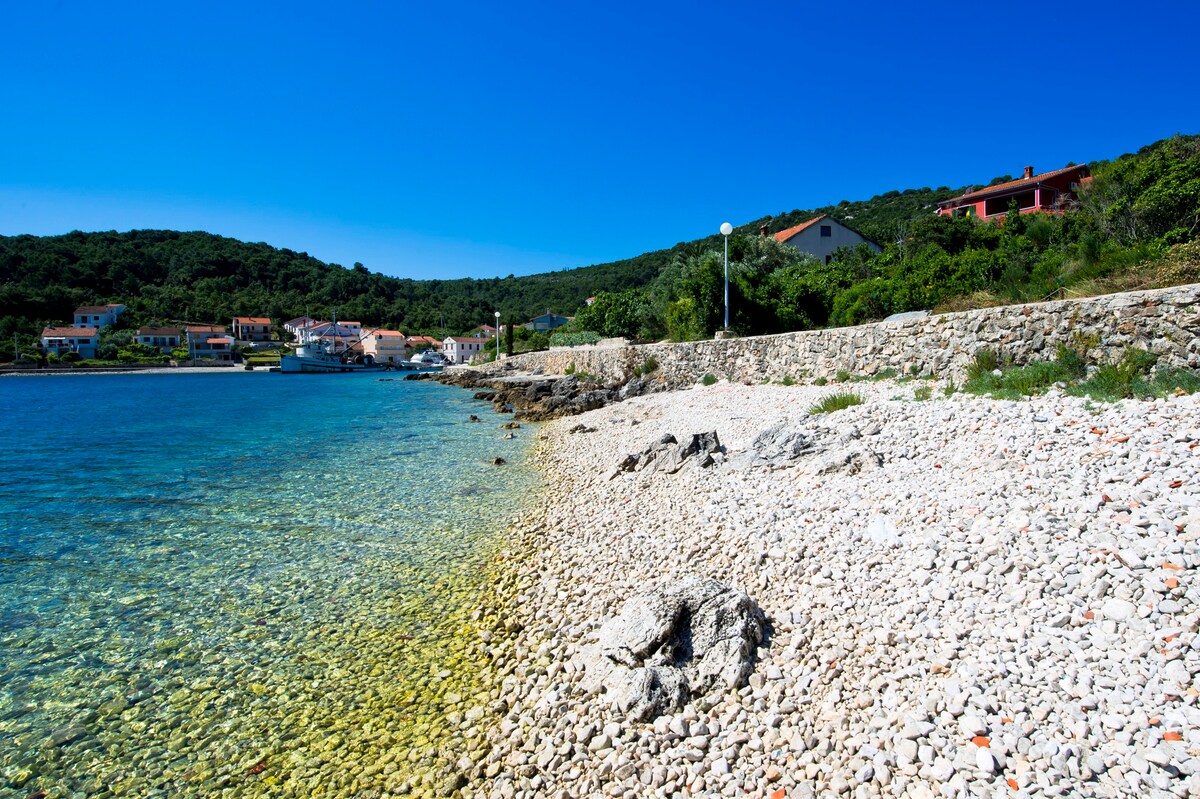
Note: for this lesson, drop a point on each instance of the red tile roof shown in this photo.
(205, 329)
(158, 331)
(252, 320)
(464, 339)
(784, 235)
(387, 333)
(220, 340)
(74, 332)
(92, 309)
(1013, 184)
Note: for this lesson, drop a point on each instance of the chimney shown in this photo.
(1028, 172)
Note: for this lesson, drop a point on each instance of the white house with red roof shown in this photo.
(61, 340)
(294, 326)
(1048, 193)
(209, 342)
(461, 349)
(388, 346)
(98, 315)
(335, 334)
(822, 237)
(252, 328)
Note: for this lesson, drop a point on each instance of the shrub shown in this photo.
(836, 402)
(570, 370)
(649, 365)
(788, 380)
(842, 376)
(985, 362)
(574, 339)
(820, 381)
(708, 379)
(922, 393)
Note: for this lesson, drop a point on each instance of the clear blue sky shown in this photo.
(481, 139)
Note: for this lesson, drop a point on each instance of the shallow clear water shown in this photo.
(256, 583)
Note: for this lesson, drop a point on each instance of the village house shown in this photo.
(822, 237)
(294, 326)
(61, 340)
(209, 342)
(251, 328)
(387, 346)
(423, 343)
(163, 339)
(547, 321)
(460, 349)
(1048, 193)
(333, 334)
(98, 315)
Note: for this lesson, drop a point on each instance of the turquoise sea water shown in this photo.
(252, 584)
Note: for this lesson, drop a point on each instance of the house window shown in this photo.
(826, 231)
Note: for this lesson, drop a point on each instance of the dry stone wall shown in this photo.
(1163, 321)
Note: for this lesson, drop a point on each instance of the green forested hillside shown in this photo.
(165, 276)
(1138, 210)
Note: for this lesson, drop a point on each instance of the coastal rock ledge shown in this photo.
(685, 640)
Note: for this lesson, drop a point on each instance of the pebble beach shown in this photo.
(964, 597)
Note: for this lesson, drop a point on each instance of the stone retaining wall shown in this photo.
(1163, 321)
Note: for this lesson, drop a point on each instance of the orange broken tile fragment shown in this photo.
(778, 793)
(1006, 720)
(1171, 583)
(1089, 615)
(1013, 784)
(1172, 736)
(1118, 439)
(1175, 484)
(981, 741)
(1169, 565)
(1155, 722)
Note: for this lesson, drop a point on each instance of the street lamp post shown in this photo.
(726, 229)
(497, 337)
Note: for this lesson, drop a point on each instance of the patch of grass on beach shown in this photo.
(922, 393)
(1015, 382)
(836, 402)
(788, 380)
(1133, 375)
(649, 365)
(708, 379)
(842, 376)
(886, 374)
(820, 381)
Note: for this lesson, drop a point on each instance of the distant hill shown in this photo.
(168, 276)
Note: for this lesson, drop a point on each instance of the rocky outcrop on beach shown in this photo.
(668, 456)
(538, 397)
(985, 598)
(680, 641)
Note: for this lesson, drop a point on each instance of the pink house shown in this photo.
(1047, 193)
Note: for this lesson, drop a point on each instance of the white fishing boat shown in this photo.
(318, 356)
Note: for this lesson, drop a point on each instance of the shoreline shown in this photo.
(963, 595)
(120, 370)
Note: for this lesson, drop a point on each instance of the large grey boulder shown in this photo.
(689, 639)
(668, 456)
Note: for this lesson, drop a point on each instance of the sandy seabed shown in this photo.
(966, 597)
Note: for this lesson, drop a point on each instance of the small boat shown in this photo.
(317, 356)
